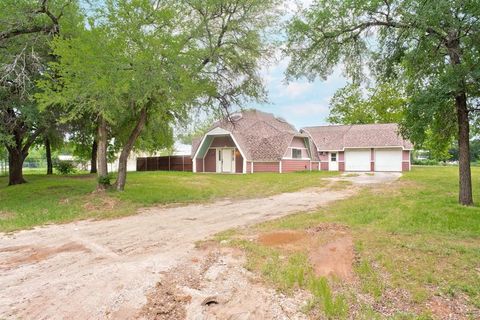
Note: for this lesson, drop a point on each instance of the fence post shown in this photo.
(169, 169)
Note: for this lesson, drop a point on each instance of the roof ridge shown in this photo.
(349, 125)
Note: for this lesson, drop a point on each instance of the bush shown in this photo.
(104, 180)
(426, 162)
(65, 167)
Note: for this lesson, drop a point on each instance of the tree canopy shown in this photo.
(139, 67)
(433, 46)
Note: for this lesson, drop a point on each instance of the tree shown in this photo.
(27, 26)
(381, 104)
(138, 67)
(432, 45)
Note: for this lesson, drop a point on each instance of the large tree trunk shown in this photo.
(15, 166)
(465, 176)
(127, 148)
(102, 169)
(93, 160)
(48, 151)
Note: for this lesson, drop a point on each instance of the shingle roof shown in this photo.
(260, 135)
(339, 137)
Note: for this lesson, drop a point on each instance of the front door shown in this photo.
(227, 160)
(333, 161)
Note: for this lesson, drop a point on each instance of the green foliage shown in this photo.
(430, 47)
(382, 104)
(104, 180)
(65, 167)
(168, 59)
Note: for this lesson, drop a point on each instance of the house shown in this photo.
(368, 147)
(253, 141)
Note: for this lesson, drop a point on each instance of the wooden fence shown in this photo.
(167, 163)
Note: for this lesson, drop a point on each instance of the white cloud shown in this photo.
(306, 109)
(296, 89)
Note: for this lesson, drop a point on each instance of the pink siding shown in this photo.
(249, 167)
(315, 166)
(341, 161)
(372, 166)
(295, 165)
(238, 162)
(298, 143)
(266, 167)
(221, 142)
(199, 165)
(406, 160)
(324, 166)
(210, 161)
(324, 156)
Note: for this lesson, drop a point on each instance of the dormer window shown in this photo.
(297, 153)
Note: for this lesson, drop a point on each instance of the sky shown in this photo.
(301, 103)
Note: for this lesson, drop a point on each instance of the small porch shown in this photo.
(218, 152)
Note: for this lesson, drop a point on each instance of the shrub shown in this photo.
(104, 180)
(426, 162)
(65, 167)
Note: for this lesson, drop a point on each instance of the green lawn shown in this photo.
(414, 246)
(49, 199)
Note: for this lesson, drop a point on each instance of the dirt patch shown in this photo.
(451, 308)
(329, 247)
(166, 302)
(32, 254)
(280, 238)
(99, 202)
(218, 287)
(335, 259)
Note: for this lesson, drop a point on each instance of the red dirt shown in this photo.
(33, 254)
(336, 259)
(280, 238)
(329, 247)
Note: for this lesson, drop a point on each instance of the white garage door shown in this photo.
(388, 159)
(357, 160)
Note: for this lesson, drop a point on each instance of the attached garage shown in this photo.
(388, 159)
(357, 159)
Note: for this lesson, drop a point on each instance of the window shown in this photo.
(297, 153)
(333, 157)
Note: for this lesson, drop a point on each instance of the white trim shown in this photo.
(299, 159)
(194, 165)
(280, 167)
(381, 147)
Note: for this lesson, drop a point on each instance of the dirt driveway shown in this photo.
(103, 269)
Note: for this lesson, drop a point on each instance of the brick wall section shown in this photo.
(249, 167)
(210, 161)
(295, 165)
(324, 166)
(406, 160)
(199, 165)
(315, 166)
(238, 162)
(266, 167)
(341, 161)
